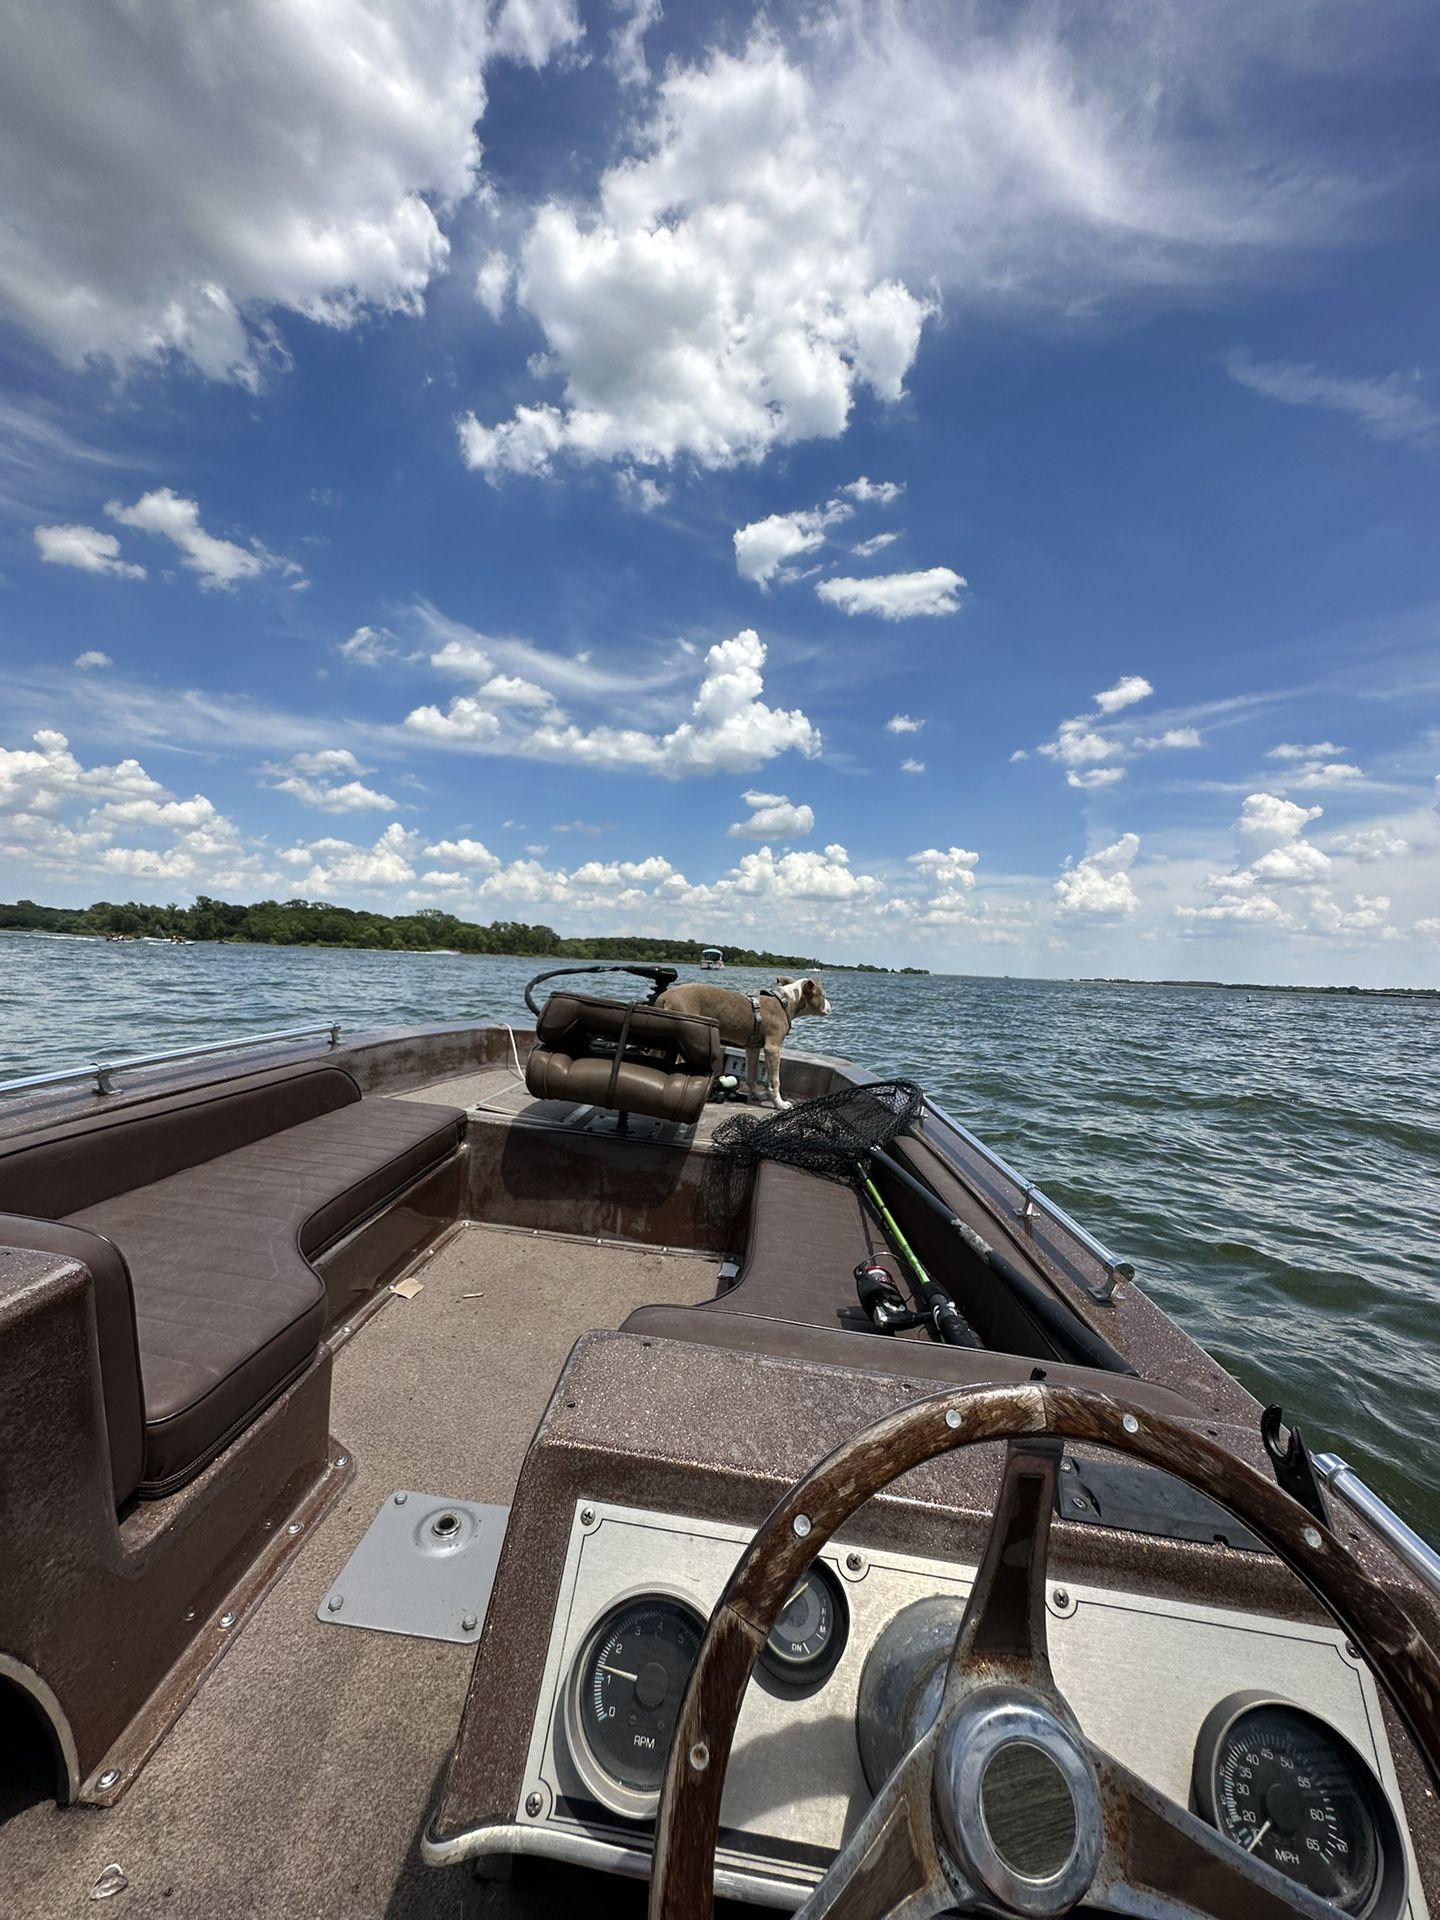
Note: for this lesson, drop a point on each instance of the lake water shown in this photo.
(1270, 1162)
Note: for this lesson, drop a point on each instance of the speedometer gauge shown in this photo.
(1292, 1792)
(624, 1697)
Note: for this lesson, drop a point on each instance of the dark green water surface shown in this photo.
(1270, 1162)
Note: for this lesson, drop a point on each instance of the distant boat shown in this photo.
(711, 958)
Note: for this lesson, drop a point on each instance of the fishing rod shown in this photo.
(845, 1136)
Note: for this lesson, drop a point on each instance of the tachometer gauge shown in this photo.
(624, 1696)
(1292, 1792)
(809, 1637)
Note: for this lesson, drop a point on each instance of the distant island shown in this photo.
(316, 923)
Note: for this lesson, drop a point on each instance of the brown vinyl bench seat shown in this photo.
(207, 1304)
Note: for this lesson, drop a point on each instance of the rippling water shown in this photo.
(1270, 1162)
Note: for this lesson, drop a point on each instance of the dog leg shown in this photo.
(772, 1066)
(752, 1071)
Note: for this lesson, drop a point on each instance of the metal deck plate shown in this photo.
(425, 1567)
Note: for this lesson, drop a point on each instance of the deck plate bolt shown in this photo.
(110, 1778)
(342, 1459)
(295, 1526)
(227, 1620)
(335, 1602)
(533, 1804)
(401, 1498)
(469, 1623)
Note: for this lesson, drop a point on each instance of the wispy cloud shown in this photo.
(1390, 407)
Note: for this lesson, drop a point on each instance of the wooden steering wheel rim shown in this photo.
(682, 1882)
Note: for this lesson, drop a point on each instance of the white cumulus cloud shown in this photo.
(763, 547)
(243, 160)
(327, 780)
(896, 596)
(1125, 692)
(773, 817)
(218, 562)
(718, 299)
(1099, 886)
(92, 658)
(88, 548)
(903, 723)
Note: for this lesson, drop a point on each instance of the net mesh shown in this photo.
(829, 1136)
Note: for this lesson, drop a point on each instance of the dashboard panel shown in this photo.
(1143, 1674)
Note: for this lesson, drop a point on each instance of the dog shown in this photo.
(759, 1023)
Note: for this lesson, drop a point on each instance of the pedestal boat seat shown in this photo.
(629, 1057)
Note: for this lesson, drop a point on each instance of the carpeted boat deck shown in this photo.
(297, 1783)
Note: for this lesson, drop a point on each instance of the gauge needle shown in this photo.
(1256, 1837)
(795, 1596)
(619, 1673)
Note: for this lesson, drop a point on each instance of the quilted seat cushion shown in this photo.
(228, 1308)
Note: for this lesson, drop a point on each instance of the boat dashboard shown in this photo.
(1271, 1729)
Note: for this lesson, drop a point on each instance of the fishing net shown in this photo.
(830, 1136)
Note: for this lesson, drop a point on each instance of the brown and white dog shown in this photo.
(754, 1024)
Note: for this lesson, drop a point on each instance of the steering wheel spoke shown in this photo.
(1163, 1863)
(1003, 1638)
(889, 1865)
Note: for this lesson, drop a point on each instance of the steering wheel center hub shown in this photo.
(1018, 1803)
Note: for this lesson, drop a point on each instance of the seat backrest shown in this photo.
(61, 1169)
(571, 1022)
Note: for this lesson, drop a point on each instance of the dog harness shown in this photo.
(755, 1000)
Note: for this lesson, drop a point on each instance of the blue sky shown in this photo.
(945, 485)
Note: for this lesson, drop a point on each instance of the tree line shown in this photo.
(316, 923)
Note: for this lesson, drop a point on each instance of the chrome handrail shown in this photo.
(101, 1070)
(1339, 1477)
(1035, 1201)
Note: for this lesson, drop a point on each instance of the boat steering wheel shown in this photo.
(1091, 1829)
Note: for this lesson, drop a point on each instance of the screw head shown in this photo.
(1062, 1598)
(1130, 1423)
(401, 1498)
(587, 1516)
(533, 1804)
(853, 1562)
(108, 1779)
(227, 1620)
(699, 1756)
(1311, 1536)
(335, 1602)
(952, 1417)
(295, 1526)
(1352, 1649)
(342, 1459)
(800, 1525)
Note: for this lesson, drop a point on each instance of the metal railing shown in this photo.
(101, 1070)
(1339, 1478)
(1033, 1201)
